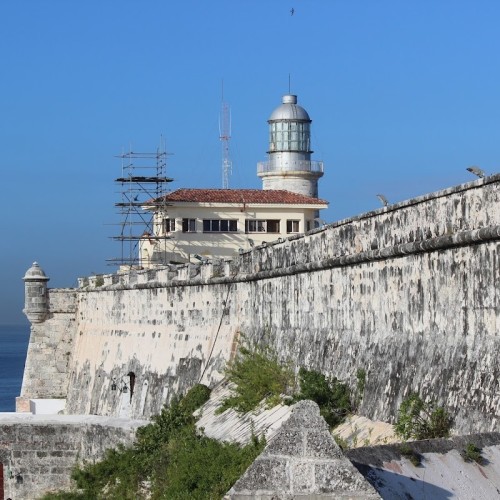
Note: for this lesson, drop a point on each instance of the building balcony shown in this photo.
(264, 167)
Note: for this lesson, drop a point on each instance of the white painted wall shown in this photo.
(47, 406)
(182, 246)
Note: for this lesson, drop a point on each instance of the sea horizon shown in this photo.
(14, 340)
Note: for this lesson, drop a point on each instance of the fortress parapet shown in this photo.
(36, 302)
(420, 225)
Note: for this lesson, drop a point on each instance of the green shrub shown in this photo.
(420, 420)
(409, 453)
(332, 396)
(257, 375)
(196, 467)
(172, 418)
(99, 280)
(343, 444)
(117, 476)
(169, 459)
(196, 397)
(471, 453)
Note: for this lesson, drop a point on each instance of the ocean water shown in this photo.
(13, 346)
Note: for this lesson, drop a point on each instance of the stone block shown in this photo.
(320, 444)
(291, 443)
(340, 475)
(306, 415)
(302, 476)
(22, 404)
(266, 474)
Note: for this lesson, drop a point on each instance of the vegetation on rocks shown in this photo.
(257, 375)
(472, 453)
(360, 385)
(170, 458)
(332, 396)
(409, 453)
(420, 420)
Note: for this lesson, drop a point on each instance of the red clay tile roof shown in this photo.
(271, 196)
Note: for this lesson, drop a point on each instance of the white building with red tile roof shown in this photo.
(219, 223)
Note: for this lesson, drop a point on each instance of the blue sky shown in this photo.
(404, 95)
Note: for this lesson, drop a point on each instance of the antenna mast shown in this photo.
(225, 136)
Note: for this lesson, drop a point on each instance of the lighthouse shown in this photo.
(289, 166)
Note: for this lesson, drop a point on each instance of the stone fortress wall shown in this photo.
(408, 293)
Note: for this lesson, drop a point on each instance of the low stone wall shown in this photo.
(435, 468)
(39, 453)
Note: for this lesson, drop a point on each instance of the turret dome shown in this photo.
(35, 273)
(289, 110)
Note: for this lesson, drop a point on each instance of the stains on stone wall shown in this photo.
(411, 328)
(407, 292)
(164, 336)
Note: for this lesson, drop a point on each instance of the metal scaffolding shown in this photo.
(142, 189)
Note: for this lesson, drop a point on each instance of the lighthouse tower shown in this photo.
(289, 166)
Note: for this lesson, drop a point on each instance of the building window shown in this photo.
(189, 225)
(255, 226)
(273, 226)
(262, 226)
(292, 226)
(289, 136)
(168, 225)
(220, 225)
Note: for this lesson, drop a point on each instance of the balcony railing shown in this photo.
(290, 166)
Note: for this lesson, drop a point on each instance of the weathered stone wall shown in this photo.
(407, 293)
(163, 335)
(426, 322)
(38, 453)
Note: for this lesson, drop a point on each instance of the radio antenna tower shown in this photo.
(225, 137)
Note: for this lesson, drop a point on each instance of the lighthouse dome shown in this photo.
(289, 110)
